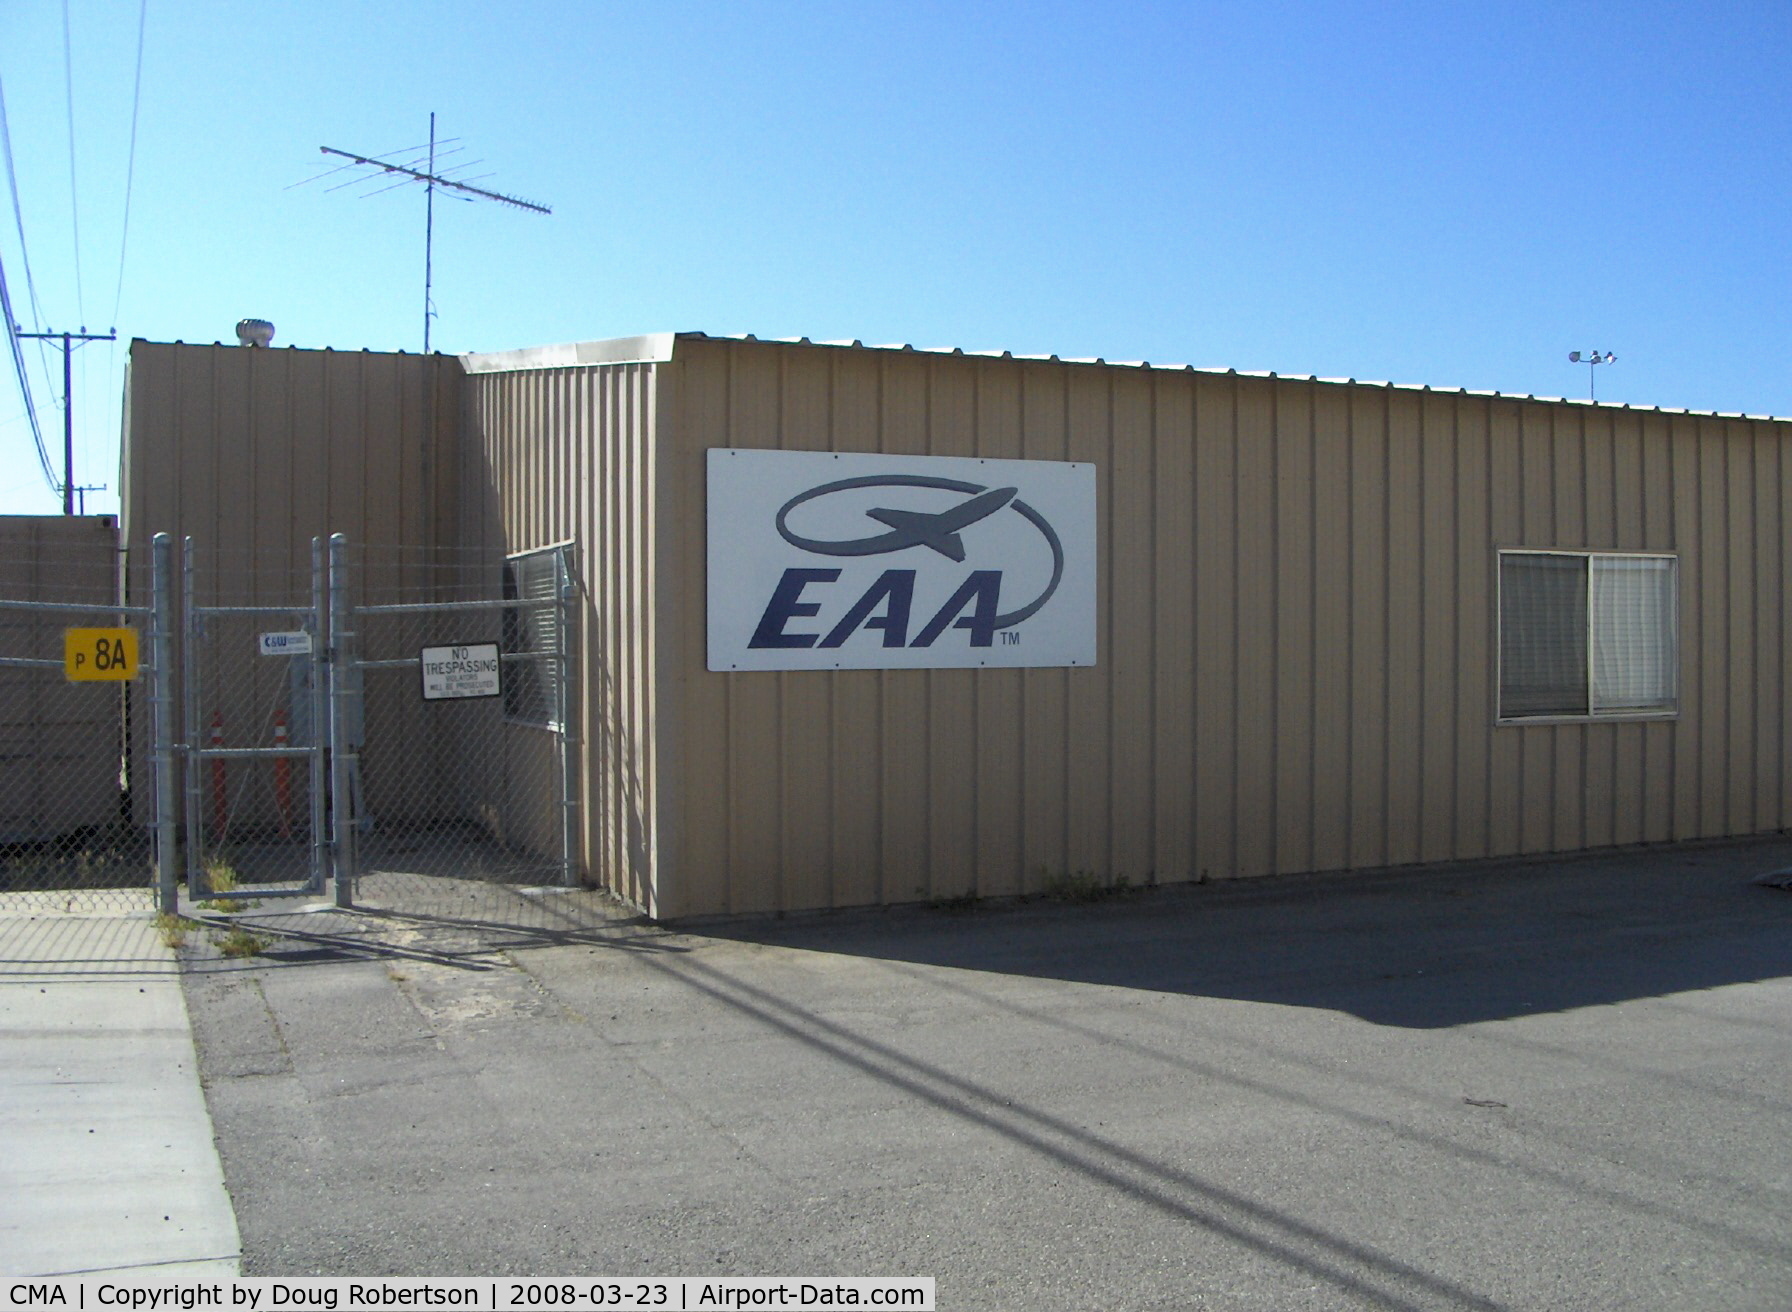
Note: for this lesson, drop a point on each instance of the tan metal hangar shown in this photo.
(868, 625)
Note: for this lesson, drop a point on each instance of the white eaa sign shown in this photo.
(837, 561)
(470, 670)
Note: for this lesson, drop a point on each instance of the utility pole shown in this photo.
(69, 342)
(430, 180)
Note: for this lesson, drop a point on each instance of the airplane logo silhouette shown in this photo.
(936, 530)
(917, 528)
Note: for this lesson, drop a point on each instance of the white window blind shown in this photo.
(1587, 634)
(1633, 633)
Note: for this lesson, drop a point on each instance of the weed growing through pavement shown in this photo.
(221, 877)
(239, 942)
(174, 929)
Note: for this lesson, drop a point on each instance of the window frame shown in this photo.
(524, 678)
(1591, 715)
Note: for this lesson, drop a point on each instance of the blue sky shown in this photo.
(1456, 195)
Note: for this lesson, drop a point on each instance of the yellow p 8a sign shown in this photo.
(99, 655)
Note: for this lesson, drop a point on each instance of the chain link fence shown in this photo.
(381, 727)
(451, 698)
(76, 819)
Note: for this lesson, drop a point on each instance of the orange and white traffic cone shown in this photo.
(282, 777)
(220, 800)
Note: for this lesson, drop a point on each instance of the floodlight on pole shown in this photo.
(1591, 358)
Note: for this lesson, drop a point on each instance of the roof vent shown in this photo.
(254, 332)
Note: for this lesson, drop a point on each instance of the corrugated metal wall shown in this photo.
(1297, 611)
(253, 453)
(1297, 635)
(565, 455)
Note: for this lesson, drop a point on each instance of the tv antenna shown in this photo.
(419, 164)
(1591, 358)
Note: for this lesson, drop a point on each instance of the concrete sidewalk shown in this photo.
(108, 1166)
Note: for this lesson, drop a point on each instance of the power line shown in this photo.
(18, 212)
(67, 341)
(130, 170)
(37, 313)
(18, 362)
(74, 197)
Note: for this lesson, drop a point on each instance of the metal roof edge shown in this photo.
(649, 348)
(658, 347)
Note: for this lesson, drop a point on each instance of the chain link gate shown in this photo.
(449, 735)
(410, 743)
(254, 688)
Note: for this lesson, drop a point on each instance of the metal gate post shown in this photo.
(189, 675)
(342, 754)
(320, 693)
(562, 716)
(161, 700)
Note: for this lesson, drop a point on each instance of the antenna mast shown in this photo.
(431, 180)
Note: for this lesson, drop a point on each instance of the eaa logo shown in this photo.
(887, 605)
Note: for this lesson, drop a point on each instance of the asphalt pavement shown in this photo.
(1551, 1085)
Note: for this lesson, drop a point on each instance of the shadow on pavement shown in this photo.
(1426, 947)
(467, 924)
(550, 1074)
(1421, 948)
